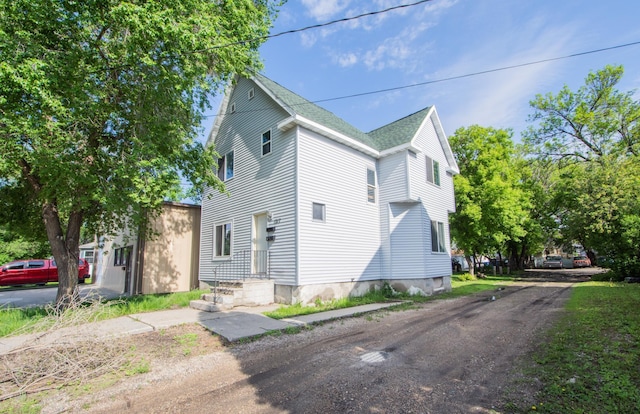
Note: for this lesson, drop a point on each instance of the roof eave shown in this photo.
(296, 119)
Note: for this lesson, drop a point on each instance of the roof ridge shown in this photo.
(315, 112)
(427, 108)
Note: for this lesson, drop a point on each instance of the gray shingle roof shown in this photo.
(399, 132)
(388, 136)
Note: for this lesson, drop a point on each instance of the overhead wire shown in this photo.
(450, 78)
(315, 26)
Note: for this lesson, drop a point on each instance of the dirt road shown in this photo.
(444, 357)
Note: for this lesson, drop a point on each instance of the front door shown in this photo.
(259, 245)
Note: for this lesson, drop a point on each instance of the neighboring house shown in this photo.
(168, 262)
(323, 208)
(88, 252)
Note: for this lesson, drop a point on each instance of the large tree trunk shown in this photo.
(66, 252)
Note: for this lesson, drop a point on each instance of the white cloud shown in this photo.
(500, 99)
(345, 60)
(324, 9)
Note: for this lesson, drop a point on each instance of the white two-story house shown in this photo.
(322, 208)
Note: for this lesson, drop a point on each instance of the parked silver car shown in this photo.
(552, 262)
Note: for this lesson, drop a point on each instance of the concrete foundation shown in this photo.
(305, 294)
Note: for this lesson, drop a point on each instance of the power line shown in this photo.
(468, 75)
(315, 26)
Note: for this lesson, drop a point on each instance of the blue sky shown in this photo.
(442, 39)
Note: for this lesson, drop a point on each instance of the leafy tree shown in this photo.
(536, 177)
(592, 136)
(595, 120)
(491, 205)
(100, 102)
(15, 246)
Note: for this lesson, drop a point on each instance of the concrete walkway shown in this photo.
(236, 324)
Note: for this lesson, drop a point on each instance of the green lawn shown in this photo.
(28, 319)
(591, 363)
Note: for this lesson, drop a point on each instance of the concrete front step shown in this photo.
(236, 293)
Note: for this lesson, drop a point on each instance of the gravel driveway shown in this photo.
(447, 356)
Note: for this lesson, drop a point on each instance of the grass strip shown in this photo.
(21, 319)
(590, 364)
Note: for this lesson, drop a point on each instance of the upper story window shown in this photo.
(266, 143)
(251, 93)
(226, 166)
(437, 237)
(433, 171)
(371, 185)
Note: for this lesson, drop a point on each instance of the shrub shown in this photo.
(609, 276)
(466, 277)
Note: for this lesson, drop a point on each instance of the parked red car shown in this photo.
(36, 271)
(581, 261)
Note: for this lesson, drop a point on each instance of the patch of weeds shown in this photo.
(21, 405)
(290, 330)
(141, 366)
(186, 342)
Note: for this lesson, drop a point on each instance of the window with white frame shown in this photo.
(437, 237)
(222, 240)
(266, 143)
(433, 171)
(371, 185)
(318, 212)
(226, 166)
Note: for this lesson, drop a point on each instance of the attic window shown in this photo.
(226, 166)
(433, 171)
(233, 107)
(252, 93)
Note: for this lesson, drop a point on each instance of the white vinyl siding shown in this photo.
(407, 240)
(437, 201)
(262, 184)
(346, 246)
